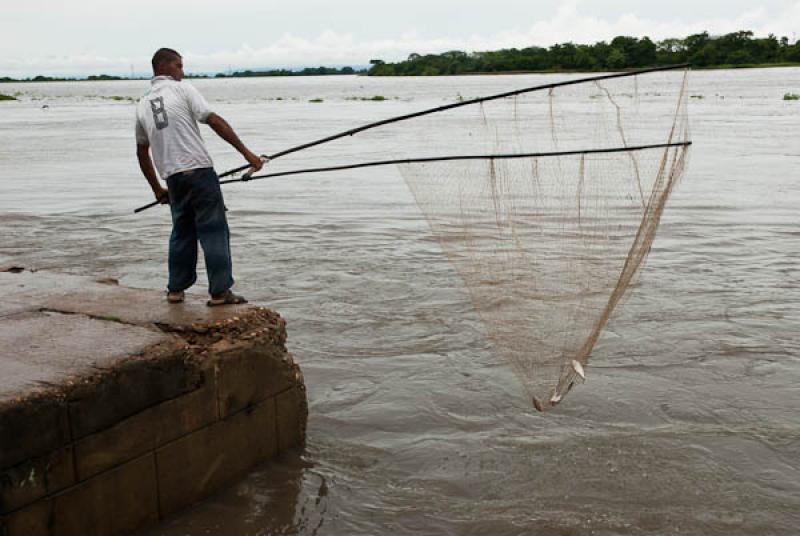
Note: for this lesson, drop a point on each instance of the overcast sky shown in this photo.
(79, 37)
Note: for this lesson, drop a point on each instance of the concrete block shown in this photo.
(32, 428)
(130, 387)
(149, 408)
(34, 520)
(31, 480)
(195, 466)
(119, 501)
(146, 430)
(247, 376)
(291, 409)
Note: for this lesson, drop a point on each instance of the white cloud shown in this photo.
(568, 23)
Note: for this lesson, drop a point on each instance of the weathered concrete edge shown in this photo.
(216, 357)
(164, 480)
(148, 376)
(56, 414)
(256, 438)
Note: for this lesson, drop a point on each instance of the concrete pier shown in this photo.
(118, 409)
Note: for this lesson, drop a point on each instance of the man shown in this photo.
(166, 123)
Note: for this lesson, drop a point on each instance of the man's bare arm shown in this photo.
(224, 131)
(149, 172)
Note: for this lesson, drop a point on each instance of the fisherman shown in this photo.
(166, 122)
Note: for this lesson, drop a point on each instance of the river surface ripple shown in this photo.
(688, 422)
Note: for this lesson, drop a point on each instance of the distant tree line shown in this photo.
(735, 49)
(41, 78)
(104, 77)
(308, 71)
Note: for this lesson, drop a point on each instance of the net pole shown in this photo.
(442, 159)
(508, 156)
(468, 102)
(443, 108)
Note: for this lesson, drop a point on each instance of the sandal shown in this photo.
(175, 297)
(228, 298)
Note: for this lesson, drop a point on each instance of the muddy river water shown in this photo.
(688, 422)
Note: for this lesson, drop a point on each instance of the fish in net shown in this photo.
(546, 201)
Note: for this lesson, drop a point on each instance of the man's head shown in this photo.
(168, 62)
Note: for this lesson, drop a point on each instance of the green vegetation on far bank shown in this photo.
(791, 96)
(4, 97)
(374, 98)
(733, 50)
(308, 71)
(730, 51)
(41, 78)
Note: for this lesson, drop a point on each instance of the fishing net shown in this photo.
(548, 245)
(546, 202)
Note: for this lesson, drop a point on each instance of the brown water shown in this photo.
(687, 424)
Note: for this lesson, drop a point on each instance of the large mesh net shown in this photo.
(546, 245)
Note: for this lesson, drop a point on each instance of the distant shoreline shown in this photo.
(584, 71)
(247, 73)
(735, 50)
(702, 50)
(6, 80)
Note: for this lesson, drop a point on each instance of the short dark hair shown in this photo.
(162, 55)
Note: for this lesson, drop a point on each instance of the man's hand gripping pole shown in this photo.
(249, 173)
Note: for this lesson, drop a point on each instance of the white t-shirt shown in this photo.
(166, 119)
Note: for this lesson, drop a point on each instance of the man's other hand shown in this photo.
(162, 196)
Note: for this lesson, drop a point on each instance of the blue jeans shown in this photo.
(198, 213)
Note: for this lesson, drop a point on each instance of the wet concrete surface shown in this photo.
(56, 327)
(48, 348)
